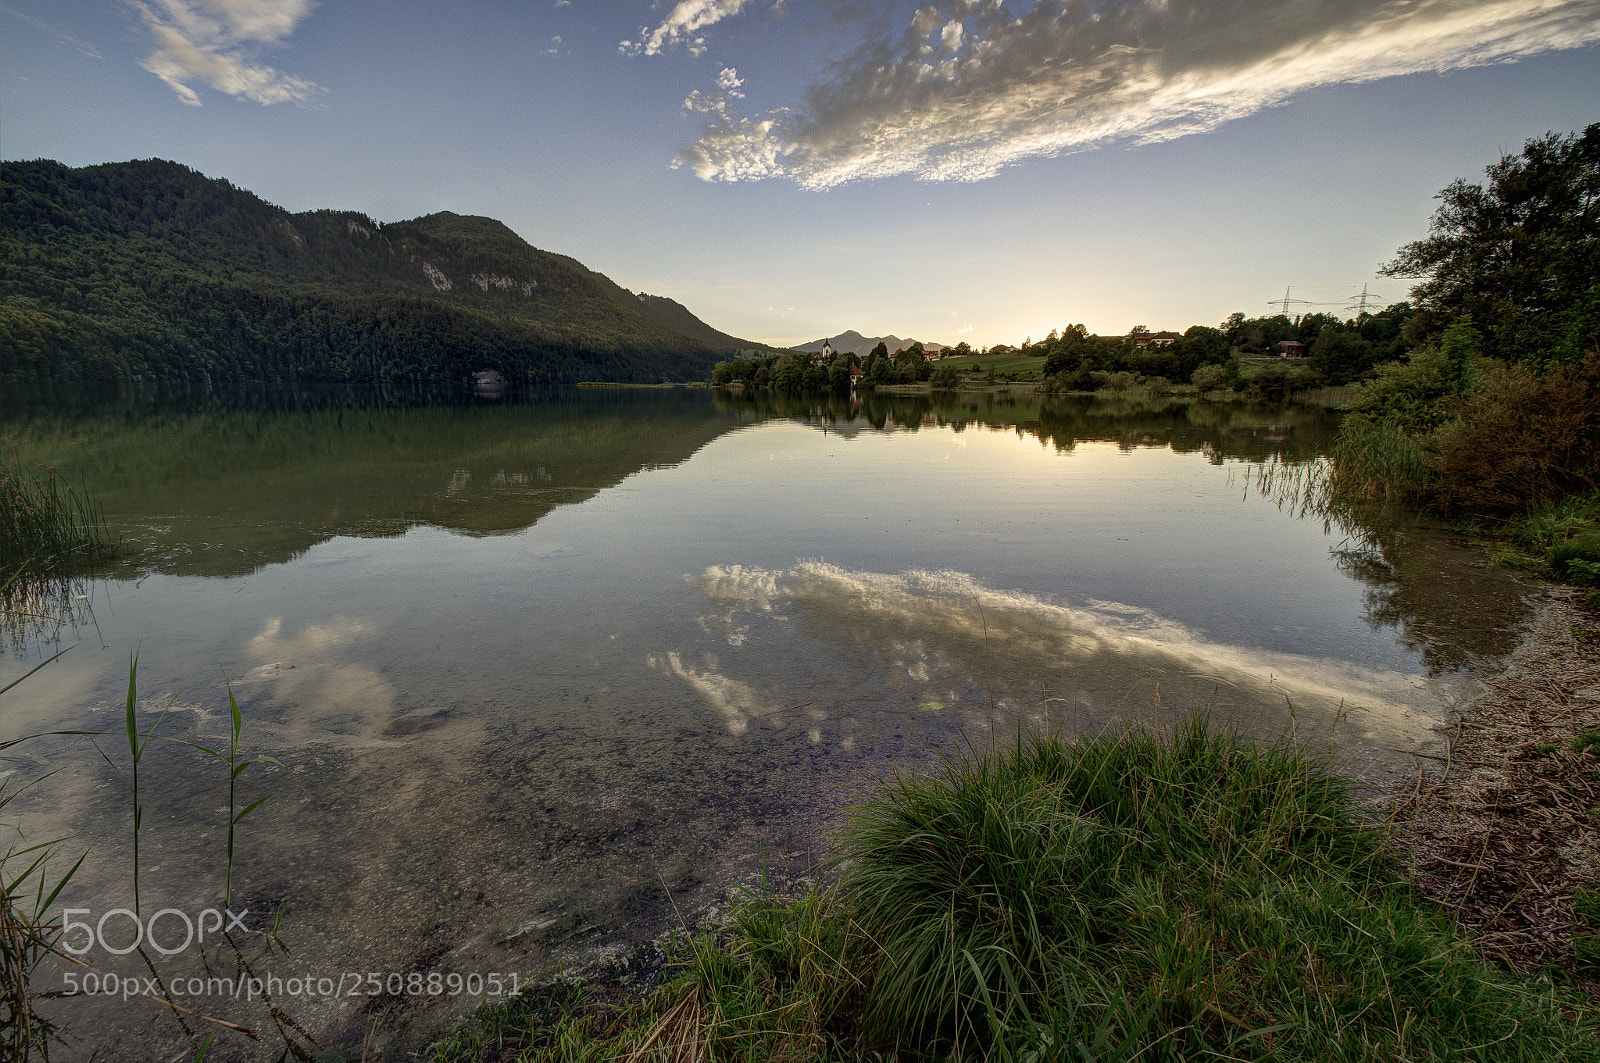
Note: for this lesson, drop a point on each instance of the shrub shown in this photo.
(946, 377)
(1578, 559)
(1522, 440)
(1271, 382)
(1208, 377)
(1408, 393)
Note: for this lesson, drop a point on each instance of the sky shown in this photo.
(978, 170)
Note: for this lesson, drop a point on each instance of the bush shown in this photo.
(1208, 377)
(1521, 441)
(1271, 382)
(946, 377)
(1409, 393)
(1578, 559)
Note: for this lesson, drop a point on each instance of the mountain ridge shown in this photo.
(150, 270)
(853, 342)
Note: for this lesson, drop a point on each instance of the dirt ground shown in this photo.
(1505, 829)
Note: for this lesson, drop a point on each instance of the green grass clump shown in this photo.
(45, 526)
(1126, 894)
(1578, 559)
(1117, 897)
(1375, 460)
(1548, 526)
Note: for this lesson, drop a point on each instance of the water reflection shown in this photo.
(938, 639)
(223, 491)
(546, 672)
(1422, 580)
(1252, 432)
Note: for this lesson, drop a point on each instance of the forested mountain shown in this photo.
(150, 270)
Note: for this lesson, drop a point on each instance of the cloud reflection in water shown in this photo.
(927, 638)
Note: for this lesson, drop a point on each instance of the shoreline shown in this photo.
(1504, 830)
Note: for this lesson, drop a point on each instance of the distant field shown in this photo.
(1025, 367)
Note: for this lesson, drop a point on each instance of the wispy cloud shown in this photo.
(213, 41)
(972, 86)
(682, 26)
(81, 45)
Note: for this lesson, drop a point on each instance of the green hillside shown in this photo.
(149, 270)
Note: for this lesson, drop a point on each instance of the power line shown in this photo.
(1285, 301)
(1359, 303)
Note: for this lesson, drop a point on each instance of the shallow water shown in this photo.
(545, 677)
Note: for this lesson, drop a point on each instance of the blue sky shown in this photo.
(976, 170)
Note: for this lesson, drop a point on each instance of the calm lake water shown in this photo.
(545, 677)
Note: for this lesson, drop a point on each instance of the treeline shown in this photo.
(801, 373)
(1337, 351)
(151, 271)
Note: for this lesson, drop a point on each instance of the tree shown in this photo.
(1271, 382)
(1208, 377)
(878, 370)
(946, 377)
(1520, 257)
(1341, 353)
(911, 365)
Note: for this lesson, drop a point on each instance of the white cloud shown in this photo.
(212, 41)
(682, 26)
(730, 82)
(972, 86)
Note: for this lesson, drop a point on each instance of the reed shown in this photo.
(235, 768)
(27, 935)
(46, 526)
(1377, 460)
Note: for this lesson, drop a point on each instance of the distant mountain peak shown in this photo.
(853, 342)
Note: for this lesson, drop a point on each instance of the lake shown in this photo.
(545, 677)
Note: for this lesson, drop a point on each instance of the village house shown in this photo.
(1143, 337)
(1291, 349)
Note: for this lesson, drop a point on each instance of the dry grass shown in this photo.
(1507, 833)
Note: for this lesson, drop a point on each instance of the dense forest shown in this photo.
(149, 270)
